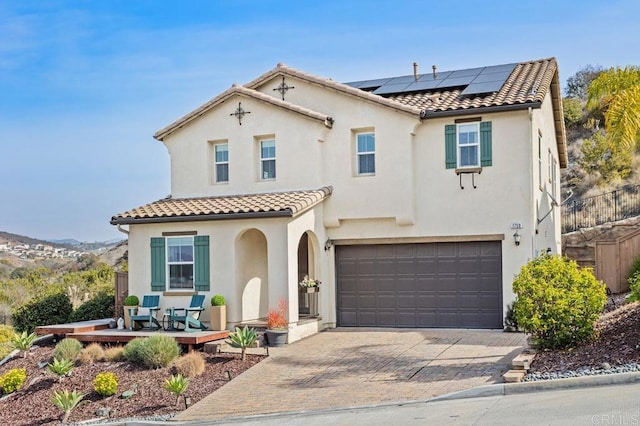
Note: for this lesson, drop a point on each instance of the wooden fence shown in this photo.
(122, 290)
(614, 260)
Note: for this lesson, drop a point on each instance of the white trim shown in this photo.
(169, 263)
(476, 144)
(264, 159)
(217, 163)
(358, 154)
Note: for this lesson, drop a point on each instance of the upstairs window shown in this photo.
(366, 153)
(540, 159)
(221, 162)
(468, 145)
(268, 159)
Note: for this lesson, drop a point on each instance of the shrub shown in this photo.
(101, 306)
(152, 352)
(190, 365)
(47, 310)
(67, 348)
(242, 338)
(217, 300)
(13, 380)
(6, 333)
(61, 367)
(114, 354)
(132, 351)
(177, 385)
(558, 302)
(634, 286)
(67, 401)
(159, 351)
(131, 301)
(91, 354)
(105, 384)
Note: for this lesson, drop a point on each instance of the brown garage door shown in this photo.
(420, 285)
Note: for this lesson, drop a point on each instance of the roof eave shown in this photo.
(480, 110)
(201, 218)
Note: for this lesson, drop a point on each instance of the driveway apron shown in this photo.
(352, 367)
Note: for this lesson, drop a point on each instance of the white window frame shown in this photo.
(217, 163)
(540, 159)
(169, 263)
(363, 153)
(263, 160)
(554, 178)
(476, 144)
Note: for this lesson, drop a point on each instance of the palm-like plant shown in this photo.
(177, 385)
(617, 92)
(242, 338)
(67, 401)
(23, 342)
(61, 367)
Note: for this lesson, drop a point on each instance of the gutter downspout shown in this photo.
(533, 200)
(121, 229)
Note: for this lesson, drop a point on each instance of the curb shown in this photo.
(542, 385)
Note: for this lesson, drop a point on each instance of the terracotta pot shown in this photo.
(218, 317)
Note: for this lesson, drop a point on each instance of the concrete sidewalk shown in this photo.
(354, 367)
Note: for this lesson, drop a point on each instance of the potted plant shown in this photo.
(277, 325)
(311, 288)
(218, 313)
(131, 301)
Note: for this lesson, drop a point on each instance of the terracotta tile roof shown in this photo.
(275, 204)
(529, 82)
(248, 93)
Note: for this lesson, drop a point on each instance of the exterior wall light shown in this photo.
(516, 238)
(328, 244)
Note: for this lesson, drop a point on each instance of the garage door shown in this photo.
(420, 285)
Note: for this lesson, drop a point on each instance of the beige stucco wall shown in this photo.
(412, 195)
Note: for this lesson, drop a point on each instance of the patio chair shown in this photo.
(146, 313)
(190, 316)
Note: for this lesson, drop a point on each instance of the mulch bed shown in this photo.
(618, 344)
(31, 405)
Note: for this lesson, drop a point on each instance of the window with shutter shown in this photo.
(180, 263)
(468, 145)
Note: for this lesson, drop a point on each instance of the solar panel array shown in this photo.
(474, 80)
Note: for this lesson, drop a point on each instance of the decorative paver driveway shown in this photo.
(351, 367)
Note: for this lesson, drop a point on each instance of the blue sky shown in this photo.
(85, 84)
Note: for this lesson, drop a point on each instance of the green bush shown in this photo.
(132, 351)
(47, 310)
(558, 302)
(634, 287)
(6, 333)
(101, 306)
(68, 348)
(217, 300)
(105, 384)
(131, 301)
(152, 352)
(13, 380)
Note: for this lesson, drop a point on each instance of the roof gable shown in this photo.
(237, 90)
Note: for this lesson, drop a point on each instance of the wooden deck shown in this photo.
(112, 335)
(99, 331)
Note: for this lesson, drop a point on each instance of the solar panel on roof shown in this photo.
(422, 85)
(466, 72)
(496, 76)
(486, 87)
(499, 68)
(390, 88)
(404, 79)
(455, 82)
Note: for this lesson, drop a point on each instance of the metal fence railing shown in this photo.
(599, 209)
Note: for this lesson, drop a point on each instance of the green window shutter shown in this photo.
(450, 147)
(201, 258)
(485, 144)
(158, 265)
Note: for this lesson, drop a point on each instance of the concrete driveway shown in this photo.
(353, 367)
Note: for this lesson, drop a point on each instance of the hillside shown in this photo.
(22, 239)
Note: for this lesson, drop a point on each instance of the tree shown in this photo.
(578, 83)
(617, 92)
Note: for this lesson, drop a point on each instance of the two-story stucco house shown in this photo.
(414, 199)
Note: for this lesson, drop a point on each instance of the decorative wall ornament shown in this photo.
(239, 113)
(283, 88)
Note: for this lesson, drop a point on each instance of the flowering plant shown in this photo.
(309, 282)
(277, 318)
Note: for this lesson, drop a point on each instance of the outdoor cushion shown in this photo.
(143, 311)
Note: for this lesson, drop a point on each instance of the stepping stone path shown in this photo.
(521, 365)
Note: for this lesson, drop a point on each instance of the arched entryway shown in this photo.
(307, 251)
(252, 274)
